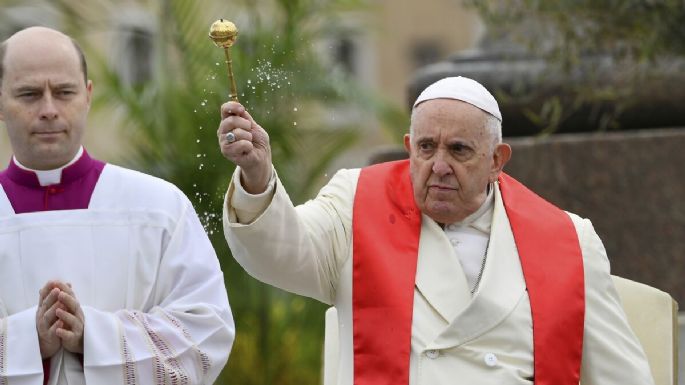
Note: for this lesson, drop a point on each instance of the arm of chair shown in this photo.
(653, 316)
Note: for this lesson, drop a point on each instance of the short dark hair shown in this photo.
(79, 51)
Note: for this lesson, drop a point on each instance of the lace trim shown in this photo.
(203, 359)
(3, 351)
(130, 373)
(167, 368)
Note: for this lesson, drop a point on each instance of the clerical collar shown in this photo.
(76, 168)
(481, 219)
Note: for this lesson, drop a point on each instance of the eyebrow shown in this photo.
(27, 87)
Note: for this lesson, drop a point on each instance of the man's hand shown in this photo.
(248, 148)
(71, 321)
(47, 321)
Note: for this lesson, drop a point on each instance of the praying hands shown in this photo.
(59, 319)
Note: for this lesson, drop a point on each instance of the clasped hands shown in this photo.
(59, 319)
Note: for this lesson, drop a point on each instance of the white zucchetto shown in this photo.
(464, 89)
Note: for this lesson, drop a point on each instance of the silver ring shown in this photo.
(230, 137)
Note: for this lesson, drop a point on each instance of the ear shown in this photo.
(407, 143)
(89, 92)
(500, 157)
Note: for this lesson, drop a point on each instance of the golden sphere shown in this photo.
(223, 33)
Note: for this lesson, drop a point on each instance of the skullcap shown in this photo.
(464, 89)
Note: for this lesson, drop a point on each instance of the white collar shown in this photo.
(49, 177)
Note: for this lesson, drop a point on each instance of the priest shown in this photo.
(106, 274)
(443, 269)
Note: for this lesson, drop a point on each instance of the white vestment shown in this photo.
(145, 274)
(456, 338)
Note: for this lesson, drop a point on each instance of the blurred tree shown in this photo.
(172, 118)
(611, 55)
(634, 29)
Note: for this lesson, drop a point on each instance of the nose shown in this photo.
(48, 109)
(440, 167)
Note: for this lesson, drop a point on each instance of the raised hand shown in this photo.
(245, 143)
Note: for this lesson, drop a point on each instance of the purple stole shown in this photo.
(386, 230)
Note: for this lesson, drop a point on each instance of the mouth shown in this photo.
(48, 133)
(48, 136)
(440, 188)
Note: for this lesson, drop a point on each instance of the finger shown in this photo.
(50, 315)
(49, 301)
(53, 328)
(67, 336)
(69, 321)
(232, 108)
(237, 151)
(66, 287)
(238, 134)
(70, 302)
(46, 289)
(233, 122)
(63, 286)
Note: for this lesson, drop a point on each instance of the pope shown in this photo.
(443, 269)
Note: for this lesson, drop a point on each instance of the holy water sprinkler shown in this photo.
(224, 33)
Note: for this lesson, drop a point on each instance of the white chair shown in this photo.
(652, 314)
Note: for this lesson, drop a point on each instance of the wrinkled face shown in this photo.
(452, 158)
(44, 99)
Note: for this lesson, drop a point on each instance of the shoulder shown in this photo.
(584, 227)
(134, 188)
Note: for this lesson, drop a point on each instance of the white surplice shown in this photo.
(456, 338)
(145, 274)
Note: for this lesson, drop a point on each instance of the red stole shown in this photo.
(386, 229)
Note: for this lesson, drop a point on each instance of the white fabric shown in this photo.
(146, 276)
(469, 239)
(464, 89)
(307, 250)
(50, 177)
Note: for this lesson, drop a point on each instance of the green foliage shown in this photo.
(172, 120)
(606, 55)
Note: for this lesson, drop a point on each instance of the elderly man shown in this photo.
(106, 274)
(443, 269)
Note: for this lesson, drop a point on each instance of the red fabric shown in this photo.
(552, 265)
(46, 371)
(386, 230)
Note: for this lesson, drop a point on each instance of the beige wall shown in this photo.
(402, 24)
